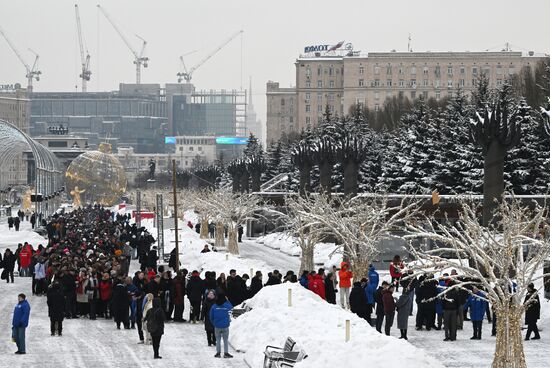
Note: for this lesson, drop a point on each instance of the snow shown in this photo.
(319, 329)
(325, 253)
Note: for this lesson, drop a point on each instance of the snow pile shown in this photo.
(319, 329)
(10, 238)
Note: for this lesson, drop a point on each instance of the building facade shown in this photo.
(15, 109)
(341, 82)
(281, 112)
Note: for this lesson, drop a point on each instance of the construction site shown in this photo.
(145, 117)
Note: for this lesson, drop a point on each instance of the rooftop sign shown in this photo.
(232, 140)
(323, 48)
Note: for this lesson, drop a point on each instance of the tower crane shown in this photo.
(32, 73)
(85, 60)
(188, 74)
(139, 59)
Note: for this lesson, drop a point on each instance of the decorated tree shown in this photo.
(236, 169)
(303, 226)
(502, 259)
(496, 130)
(233, 210)
(359, 224)
(255, 162)
(324, 155)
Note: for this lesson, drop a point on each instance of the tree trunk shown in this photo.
(236, 184)
(509, 343)
(245, 185)
(305, 179)
(307, 262)
(204, 228)
(232, 244)
(360, 267)
(351, 175)
(219, 240)
(256, 181)
(493, 180)
(325, 176)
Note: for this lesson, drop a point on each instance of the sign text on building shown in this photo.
(316, 48)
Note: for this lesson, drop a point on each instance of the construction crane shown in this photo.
(32, 73)
(84, 59)
(139, 59)
(188, 74)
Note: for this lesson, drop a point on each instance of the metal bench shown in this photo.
(277, 357)
(236, 312)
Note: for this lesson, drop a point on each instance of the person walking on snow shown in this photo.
(345, 284)
(155, 318)
(532, 314)
(56, 308)
(219, 316)
(389, 308)
(404, 305)
(20, 322)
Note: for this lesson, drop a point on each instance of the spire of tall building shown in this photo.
(250, 104)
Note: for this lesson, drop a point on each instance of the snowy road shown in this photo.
(272, 257)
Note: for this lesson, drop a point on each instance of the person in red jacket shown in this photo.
(389, 308)
(105, 292)
(316, 283)
(345, 276)
(396, 271)
(25, 257)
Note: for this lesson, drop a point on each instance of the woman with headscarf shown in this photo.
(148, 304)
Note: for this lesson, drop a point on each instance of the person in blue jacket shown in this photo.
(303, 279)
(477, 304)
(370, 288)
(219, 317)
(20, 322)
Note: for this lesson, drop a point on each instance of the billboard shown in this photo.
(232, 140)
(169, 140)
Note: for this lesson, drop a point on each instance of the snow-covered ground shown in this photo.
(325, 254)
(319, 329)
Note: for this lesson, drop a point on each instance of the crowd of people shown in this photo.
(433, 309)
(84, 272)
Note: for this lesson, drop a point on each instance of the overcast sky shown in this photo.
(275, 32)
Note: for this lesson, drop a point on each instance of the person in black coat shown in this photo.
(532, 313)
(121, 305)
(209, 300)
(358, 300)
(450, 302)
(16, 223)
(155, 318)
(9, 265)
(56, 308)
(152, 259)
(68, 283)
(10, 223)
(426, 293)
(195, 291)
(236, 288)
(330, 292)
(172, 261)
(380, 305)
(256, 284)
(153, 287)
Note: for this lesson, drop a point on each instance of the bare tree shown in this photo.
(306, 228)
(359, 224)
(503, 259)
(233, 210)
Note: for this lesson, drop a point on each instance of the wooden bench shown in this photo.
(277, 357)
(236, 312)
